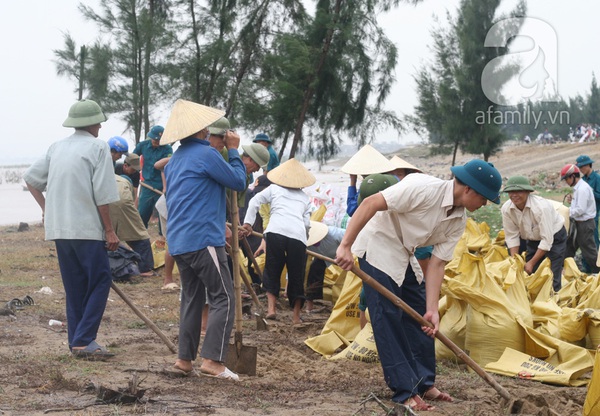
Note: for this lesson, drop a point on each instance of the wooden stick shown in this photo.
(423, 322)
(144, 318)
(413, 314)
(145, 185)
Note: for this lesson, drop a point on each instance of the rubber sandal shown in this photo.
(170, 286)
(227, 374)
(417, 404)
(93, 352)
(440, 397)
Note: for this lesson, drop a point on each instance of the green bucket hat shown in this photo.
(84, 113)
(518, 183)
(374, 183)
(219, 127)
(258, 153)
(482, 177)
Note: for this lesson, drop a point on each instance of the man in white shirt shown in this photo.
(384, 233)
(534, 219)
(582, 213)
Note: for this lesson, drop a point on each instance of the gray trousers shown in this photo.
(205, 273)
(581, 235)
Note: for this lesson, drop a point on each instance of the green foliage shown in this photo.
(449, 90)
(592, 110)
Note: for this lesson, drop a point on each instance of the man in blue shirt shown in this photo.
(588, 174)
(196, 177)
(265, 140)
(152, 151)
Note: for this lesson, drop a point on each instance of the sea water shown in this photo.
(16, 203)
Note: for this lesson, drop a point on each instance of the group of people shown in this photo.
(404, 228)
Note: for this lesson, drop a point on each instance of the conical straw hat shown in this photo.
(400, 163)
(316, 233)
(188, 118)
(291, 174)
(367, 161)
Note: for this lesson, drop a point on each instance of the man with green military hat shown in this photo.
(78, 176)
(589, 175)
(534, 220)
(384, 233)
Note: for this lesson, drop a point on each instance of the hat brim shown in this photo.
(291, 174)
(517, 188)
(84, 121)
(188, 118)
(366, 162)
(400, 163)
(462, 175)
(255, 156)
(316, 233)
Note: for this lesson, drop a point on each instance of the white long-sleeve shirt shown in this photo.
(290, 211)
(538, 221)
(583, 204)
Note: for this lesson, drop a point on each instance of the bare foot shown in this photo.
(184, 365)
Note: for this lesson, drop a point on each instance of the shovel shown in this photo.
(240, 358)
(261, 322)
(415, 315)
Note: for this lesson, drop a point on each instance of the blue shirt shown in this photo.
(273, 159)
(352, 200)
(197, 177)
(151, 156)
(594, 182)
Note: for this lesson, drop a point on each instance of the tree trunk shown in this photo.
(197, 58)
(310, 89)
(454, 152)
(82, 59)
(284, 144)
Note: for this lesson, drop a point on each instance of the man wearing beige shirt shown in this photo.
(534, 219)
(384, 233)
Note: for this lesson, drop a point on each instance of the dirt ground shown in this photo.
(39, 376)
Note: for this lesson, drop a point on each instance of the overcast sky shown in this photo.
(34, 101)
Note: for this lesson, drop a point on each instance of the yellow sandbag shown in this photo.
(591, 407)
(574, 360)
(158, 251)
(593, 328)
(362, 348)
(453, 324)
(333, 283)
(319, 213)
(159, 248)
(514, 363)
(544, 309)
(345, 316)
(491, 322)
(331, 341)
(572, 324)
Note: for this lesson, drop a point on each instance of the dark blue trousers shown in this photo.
(86, 278)
(144, 249)
(406, 353)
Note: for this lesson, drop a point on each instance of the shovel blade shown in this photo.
(242, 360)
(261, 323)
